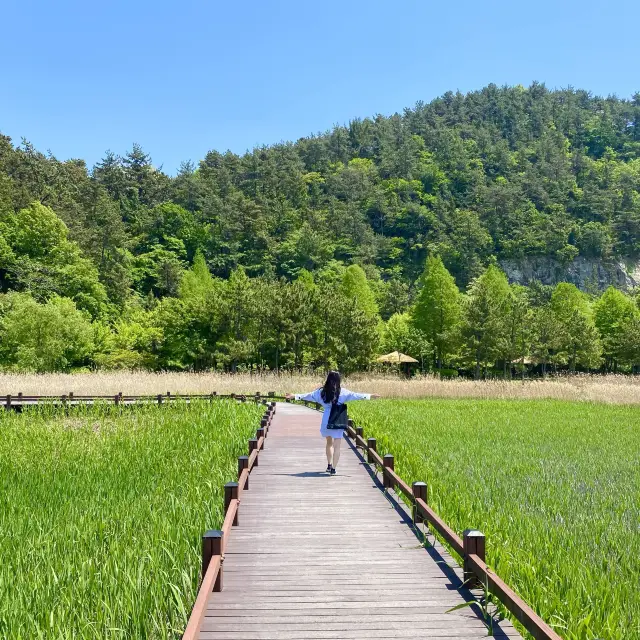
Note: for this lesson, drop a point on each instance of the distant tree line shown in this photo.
(313, 253)
(334, 320)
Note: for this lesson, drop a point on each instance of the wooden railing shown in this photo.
(471, 547)
(214, 541)
(20, 400)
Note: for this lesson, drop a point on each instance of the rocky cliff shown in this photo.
(586, 273)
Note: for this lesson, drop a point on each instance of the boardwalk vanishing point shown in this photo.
(317, 557)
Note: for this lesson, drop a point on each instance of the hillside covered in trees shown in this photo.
(327, 250)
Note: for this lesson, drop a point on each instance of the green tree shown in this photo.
(396, 335)
(545, 338)
(356, 288)
(578, 341)
(438, 309)
(519, 329)
(485, 328)
(131, 342)
(54, 336)
(611, 312)
(190, 326)
(39, 258)
(630, 342)
(300, 303)
(357, 323)
(237, 317)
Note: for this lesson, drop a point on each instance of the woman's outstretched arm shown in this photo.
(350, 396)
(313, 396)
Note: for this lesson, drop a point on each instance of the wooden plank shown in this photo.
(348, 616)
(341, 624)
(412, 633)
(348, 612)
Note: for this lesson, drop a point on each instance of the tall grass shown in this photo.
(611, 388)
(555, 487)
(101, 513)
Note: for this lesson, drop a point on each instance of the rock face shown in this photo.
(586, 273)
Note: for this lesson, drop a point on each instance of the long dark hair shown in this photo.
(331, 390)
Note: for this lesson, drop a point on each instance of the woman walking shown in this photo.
(329, 395)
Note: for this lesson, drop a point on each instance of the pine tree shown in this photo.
(578, 340)
(611, 312)
(356, 288)
(485, 327)
(438, 309)
(545, 336)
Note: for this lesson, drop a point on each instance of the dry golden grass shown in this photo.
(609, 389)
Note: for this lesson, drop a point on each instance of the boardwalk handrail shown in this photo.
(20, 400)
(214, 542)
(471, 547)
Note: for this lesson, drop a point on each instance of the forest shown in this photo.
(386, 234)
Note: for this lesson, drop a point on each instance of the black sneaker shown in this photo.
(333, 471)
(329, 467)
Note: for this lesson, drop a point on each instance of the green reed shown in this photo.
(101, 513)
(555, 487)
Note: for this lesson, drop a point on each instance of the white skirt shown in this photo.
(338, 434)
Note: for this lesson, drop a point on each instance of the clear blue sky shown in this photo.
(181, 78)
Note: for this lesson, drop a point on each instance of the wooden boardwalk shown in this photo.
(316, 556)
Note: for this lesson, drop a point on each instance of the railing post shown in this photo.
(8, 404)
(212, 546)
(71, 396)
(116, 399)
(231, 493)
(159, 398)
(243, 463)
(359, 432)
(473, 542)
(260, 433)
(372, 445)
(388, 463)
(253, 444)
(419, 492)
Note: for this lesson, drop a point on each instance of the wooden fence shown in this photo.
(17, 402)
(214, 542)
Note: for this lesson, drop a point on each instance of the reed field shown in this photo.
(554, 485)
(617, 389)
(102, 511)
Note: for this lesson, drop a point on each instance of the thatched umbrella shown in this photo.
(396, 358)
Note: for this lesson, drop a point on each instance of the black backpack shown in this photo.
(338, 416)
